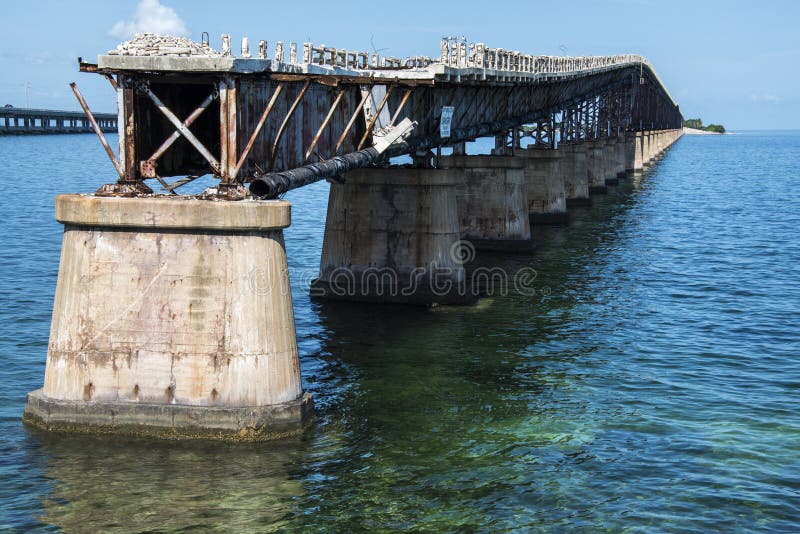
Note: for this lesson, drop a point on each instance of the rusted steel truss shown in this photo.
(296, 120)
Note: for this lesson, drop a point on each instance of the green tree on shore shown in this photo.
(697, 124)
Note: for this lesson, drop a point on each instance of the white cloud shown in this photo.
(764, 97)
(151, 16)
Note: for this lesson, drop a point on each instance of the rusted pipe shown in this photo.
(274, 184)
(98, 131)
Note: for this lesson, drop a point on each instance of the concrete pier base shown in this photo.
(394, 235)
(620, 156)
(575, 173)
(172, 318)
(610, 161)
(492, 202)
(547, 201)
(634, 154)
(647, 146)
(596, 167)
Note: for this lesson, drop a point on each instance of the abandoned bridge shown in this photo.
(173, 315)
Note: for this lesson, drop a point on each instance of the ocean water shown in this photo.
(650, 382)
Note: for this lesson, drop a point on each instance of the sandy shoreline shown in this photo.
(695, 131)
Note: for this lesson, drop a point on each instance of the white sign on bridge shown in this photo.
(446, 121)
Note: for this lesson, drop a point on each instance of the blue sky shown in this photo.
(731, 62)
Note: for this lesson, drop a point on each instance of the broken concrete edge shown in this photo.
(172, 213)
(170, 421)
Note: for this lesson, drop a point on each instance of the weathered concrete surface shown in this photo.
(394, 235)
(610, 161)
(492, 202)
(168, 421)
(575, 172)
(177, 304)
(596, 166)
(647, 148)
(620, 156)
(547, 199)
(650, 145)
(634, 158)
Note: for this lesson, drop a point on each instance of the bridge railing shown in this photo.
(461, 55)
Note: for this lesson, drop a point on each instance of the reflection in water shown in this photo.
(106, 483)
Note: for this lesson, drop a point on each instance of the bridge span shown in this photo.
(26, 121)
(173, 315)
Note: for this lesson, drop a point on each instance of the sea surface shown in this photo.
(649, 383)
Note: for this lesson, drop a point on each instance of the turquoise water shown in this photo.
(652, 383)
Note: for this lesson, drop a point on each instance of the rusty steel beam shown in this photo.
(288, 116)
(400, 107)
(324, 124)
(352, 120)
(232, 112)
(98, 131)
(274, 184)
(261, 121)
(188, 122)
(182, 128)
(374, 118)
(111, 80)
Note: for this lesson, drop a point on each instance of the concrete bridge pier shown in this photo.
(635, 161)
(575, 172)
(621, 156)
(172, 318)
(659, 144)
(547, 201)
(394, 235)
(596, 167)
(610, 161)
(647, 148)
(492, 202)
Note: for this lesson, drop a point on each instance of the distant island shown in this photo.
(697, 124)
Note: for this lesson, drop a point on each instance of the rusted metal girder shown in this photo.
(353, 117)
(324, 124)
(371, 123)
(188, 122)
(274, 184)
(181, 127)
(117, 165)
(261, 121)
(287, 135)
(288, 116)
